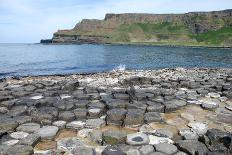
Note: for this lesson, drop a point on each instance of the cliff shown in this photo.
(194, 28)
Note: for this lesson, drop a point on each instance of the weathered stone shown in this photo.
(137, 139)
(192, 147)
(68, 144)
(156, 140)
(111, 150)
(7, 124)
(75, 125)
(152, 117)
(17, 110)
(83, 150)
(20, 150)
(134, 117)
(188, 134)
(10, 142)
(80, 113)
(3, 110)
(116, 114)
(157, 107)
(94, 112)
(67, 116)
(44, 113)
(96, 136)
(30, 140)
(174, 105)
(48, 132)
(116, 103)
(164, 133)
(95, 123)
(146, 149)
(209, 104)
(166, 148)
(18, 135)
(59, 124)
(28, 127)
(199, 128)
(71, 85)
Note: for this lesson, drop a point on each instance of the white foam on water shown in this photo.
(121, 67)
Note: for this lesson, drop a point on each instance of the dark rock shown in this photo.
(80, 113)
(166, 148)
(20, 150)
(48, 113)
(152, 117)
(116, 114)
(174, 105)
(67, 116)
(134, 117)
(7, 124)
(71, 85)
(83, 150)
(116, 103)
(17, 110)
(192, 147)
(155, 107)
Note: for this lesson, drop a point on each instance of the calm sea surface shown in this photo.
(37, 59)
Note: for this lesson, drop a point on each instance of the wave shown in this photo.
(121, 67)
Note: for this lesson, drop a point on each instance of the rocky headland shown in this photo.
(153, 112)
(189, 29)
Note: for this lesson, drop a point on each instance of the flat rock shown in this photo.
(166, 148)
(48, 132)
(95, 123)
(157, 140)
(164, 133)
(111, 150)
(209, 104)
(192, 147)
(28, 127)
(114, 137)
(199, 128)
(146, 149)
(83, 150)
(137, 139)
(116, 114)
(59, 124)
(134, 117)
(75, 125)
(188, 134)
(68, 144)
(10, 142)
(152, 117)
(20, 150)
(30, 140)
(19, 135)
(67, 116)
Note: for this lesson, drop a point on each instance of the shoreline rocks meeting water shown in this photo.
(152, 112)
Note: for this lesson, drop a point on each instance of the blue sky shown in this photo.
(27, 21)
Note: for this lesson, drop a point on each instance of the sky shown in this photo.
(28, 21)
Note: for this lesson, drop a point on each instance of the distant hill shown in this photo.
(190, 29)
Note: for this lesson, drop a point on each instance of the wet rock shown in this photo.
(95, 123)
(31, 140)
(18, 135)
(134, 117)
(166, 148)
(68, 144)
(67, 116)
(20, 150)
(83, 150)
(28, 127)
(75, 125)
(47, 132)
(137, 139)
(111, 150)
(114, 137)
(192, 147)
(152, 117)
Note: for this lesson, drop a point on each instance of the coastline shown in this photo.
(142, 44)
(166, 109)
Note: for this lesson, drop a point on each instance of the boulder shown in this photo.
(192, 147)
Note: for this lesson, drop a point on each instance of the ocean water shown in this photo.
(38, 59)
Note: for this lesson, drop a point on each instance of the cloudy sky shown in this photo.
(27, 21)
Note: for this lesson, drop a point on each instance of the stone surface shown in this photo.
(166, 148)
(75, 125)
(47, 132)
(199, 128)
(67, 116)
(110, 150)
(29, 127)
(83, 150)
(68, 144)
(137, 139)
(152, 117)
(95, 123)
(59, 124)
(30, 140)
(157, 140)
(114, 137)
(20, 150)
(18, 135)
(192, 147)
(134, 117)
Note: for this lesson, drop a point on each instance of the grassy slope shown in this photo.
(163, 34)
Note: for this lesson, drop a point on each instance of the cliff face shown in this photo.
(132, 27)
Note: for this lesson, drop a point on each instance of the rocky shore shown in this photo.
(153, 112)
